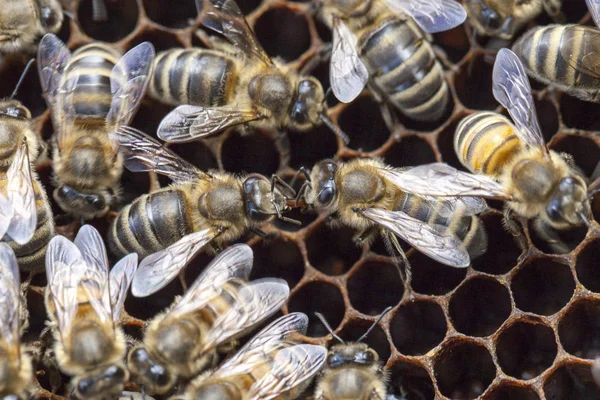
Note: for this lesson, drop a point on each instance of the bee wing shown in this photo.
(65, 269)
(594, 7)
(439, 179)
(511, 88)
(226, 18)
(120, 277)
(447, 206)
(143, 153)
(291, 368)
(95, 281)
(160, 268)
(21, 196)
(580, 49)
(233, 262)
(9, 296)
(431, 15)
(257, 301)
(128, 81)
(347, 74)
(430, 240)
(186, 123)
(6, 213)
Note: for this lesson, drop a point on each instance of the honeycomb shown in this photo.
(520, 323)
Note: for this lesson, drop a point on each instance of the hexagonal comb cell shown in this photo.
(433, 278)
(502, 252)
(578, 113)
(510, 391)
(579, 329)
(479, 306)
(417, 327)
(584, 151)
(526, 349)
(283, 33)
(374, 277)
(254, 152)
(278, 259)
(364, 125)
(464, 369)
(587, 266)
(411, 151)
(331, 250)
(122, 19)
(181, 13)
(571, 381)
(409, 380)
(473, 84)
(376, 339)
(318, 297)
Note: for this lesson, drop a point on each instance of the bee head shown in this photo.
(569, 204)
(351, 354)
(51, 15)
(154, 377)
(322, 191)
(265, 199)
(308, 106)
(489, 21)
(109, 382)
(86, 205)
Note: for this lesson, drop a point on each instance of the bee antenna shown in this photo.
(585, 219)
(325, 119)
(328, 327)
(27, 67)
(360, 339)
(69, 14)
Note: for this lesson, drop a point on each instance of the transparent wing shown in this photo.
(143, 153)
(430, 240)
(292, 367)
(257, 301)
(187, 123)
(448, 206)
(226, 18)
(128, 82)
(579, 47)
(65, 269)
(21, 196)
(6, 213)
(9, 296)
(511, 88)
(594, 7)
(95, 278)
(160, 268)
(431, 15)
(120, 277)
(439, 179)
(233, 262)
(347, 73)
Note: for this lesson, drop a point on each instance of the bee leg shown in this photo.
(513, 227)
(399, 256)
(216, 247)
(388, 115)
(283, 142)
(550, 236)
(442, 57)
(181, 276)
(365, 236)
(321, 56)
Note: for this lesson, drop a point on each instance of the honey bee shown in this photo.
(352, 370)
(15, 364)
(215, 207)
(220, 306)
(84, 303)
(90, 93)
(365, 196)
(237, 84)
(508, 162)
(503, 18)
(564, 56)
(272, 365)
(24, 22)
(384, 40)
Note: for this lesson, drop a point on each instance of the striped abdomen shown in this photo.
(485, 142)
(192, 76)
(469, 229)
(151, 223)
(93, 63)
(31, 255)
(551, 53)
(402, 65)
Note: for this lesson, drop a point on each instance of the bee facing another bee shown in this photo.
(510, 162)
(237, 84)
(382, 42)
(220, 306)
(272, 365)
(16, 371)
(199, 209)
(90, 93)
(84, 303)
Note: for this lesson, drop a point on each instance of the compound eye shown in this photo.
(553, 209)
(17, 112)
(326, 195)
(49, 17)
(335, 360)
(491, 18)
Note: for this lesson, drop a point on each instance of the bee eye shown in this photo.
(335, 360)
(491, 17)
(17, 112)
(326, 195)
(49, 17)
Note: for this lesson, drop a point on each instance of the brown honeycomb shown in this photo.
(521, 323)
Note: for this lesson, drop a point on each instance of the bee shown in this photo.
(237, 84)
(564, 56)
(363, 195)
(24, 22)
(352, 370)
(215, 207)
(15, 364)
(84, 303)
(384, 40)
(510, 162)
(90, 93)
(503, 18)
(272, 365)
(220, 306)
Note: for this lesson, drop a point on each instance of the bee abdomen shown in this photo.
(484, 142)
(192, 76)
(541, 50)
(93, 64)
(151, 223)
(402, 65)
